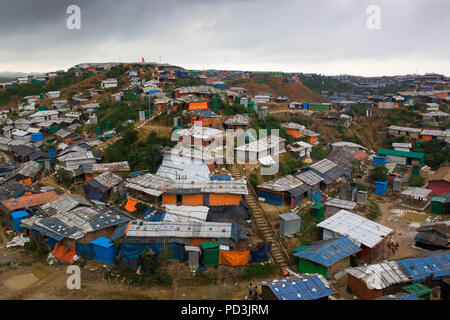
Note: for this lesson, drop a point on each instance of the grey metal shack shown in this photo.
(289, 224)
(193, 255)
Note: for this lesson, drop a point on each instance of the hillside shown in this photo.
(275, 85)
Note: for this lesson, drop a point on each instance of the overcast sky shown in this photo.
(321, 36)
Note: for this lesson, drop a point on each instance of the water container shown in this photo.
(52, 152)
(98, 130)
(107, 125)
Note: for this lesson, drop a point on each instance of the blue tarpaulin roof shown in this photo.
(19, 214)
(299, 288)
(48, 233)
(329, 252)
(419, 268)
(102, 242)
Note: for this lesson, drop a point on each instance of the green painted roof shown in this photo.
(438, 199)
(209, 245)
(302, 247)
(406, 154)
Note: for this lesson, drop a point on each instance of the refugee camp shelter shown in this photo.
(104, 250)
(416, 198)
(210, 253)
(402, 157)
(302, 287)
(101, 187)
(206, 117)
(376, 280)
(284, 190)
(290, 223)
(326, 257)
(334, 205)
(237, 121)
(254, 151)
(399, 296)
(194, 253)
(439, 182)
(27, 201)
(16, 218)
(370, 236)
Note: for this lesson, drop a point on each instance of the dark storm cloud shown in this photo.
(223, 33)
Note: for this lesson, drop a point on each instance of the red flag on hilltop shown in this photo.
(143, 59)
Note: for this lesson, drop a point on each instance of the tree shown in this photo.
(379, 173)
(435, 153)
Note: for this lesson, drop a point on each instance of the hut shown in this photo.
(269, 146)
(376, 280)
(326, 257)
(289, 224)
(433, 236)
(205, 117)
(416, 198)
(237, 121)
(104, 250)
(439, 182)
(101, 187)
(335, 205)
(285, 190)
(370, 236)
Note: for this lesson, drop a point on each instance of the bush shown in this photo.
(254, 180)
(30, 246)
(416, 181)
(257, 270)
(379, 173)
(319, 153)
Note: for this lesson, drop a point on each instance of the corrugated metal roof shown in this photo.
(180, 168)
(339, 203)
(310, 177)
(285, 183)
(76, 223)
(303, 287)
(379, 276)
(323, 166)
(263, 144)
(416, 193)
(64, 203)
(359, 229)
(238, 119)
(329, 252)
(148, 229)
(108, 179)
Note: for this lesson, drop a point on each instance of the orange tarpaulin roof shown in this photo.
(196, 242)
(64, 252)
(30, 201)
(28, 181)
(131, 205)
(234, 258)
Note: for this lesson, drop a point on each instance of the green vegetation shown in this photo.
(256, 270)
(352, 138)
(145, 155)
(118, 112)
(374, 211)
(309, 231)
(289, 164)
(236, 108)
(39, 249)
(303, 121)
(378, 173)
(416, 181)
(319, 153)
(64, 81)
(64, 178)
(436, 153)
(400, 117)
(393, 139)
(254, 180)
(117, 72)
